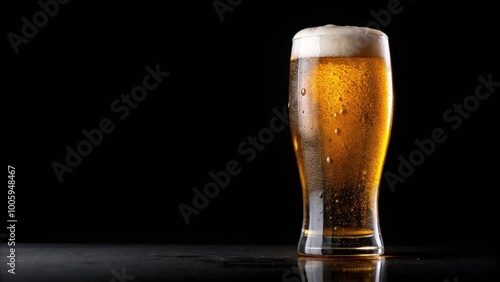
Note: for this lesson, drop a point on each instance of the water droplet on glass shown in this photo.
(343, 111)
(303, 91)
(331, 218)
(334, 115)
(329, 160)
(337, 131)
(336, 201)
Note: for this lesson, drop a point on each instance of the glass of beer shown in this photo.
(340, 106)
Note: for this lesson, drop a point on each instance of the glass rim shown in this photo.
(331, 30)
(382, 35)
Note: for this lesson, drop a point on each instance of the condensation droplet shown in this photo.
(335, 228)
(334, 115)
(329, 160)
(336, 201)
(331, 218)
(343, 111)
(303, 91)
(337, 131)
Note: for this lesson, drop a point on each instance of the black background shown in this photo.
(226, 77)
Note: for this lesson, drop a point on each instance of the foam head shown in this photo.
(339, 41)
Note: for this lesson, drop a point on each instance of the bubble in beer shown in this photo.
(303, 91)
(329, 160)
(344, 146)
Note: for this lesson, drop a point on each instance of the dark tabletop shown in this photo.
(121, 263)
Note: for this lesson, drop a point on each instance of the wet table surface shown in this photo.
(121, 263)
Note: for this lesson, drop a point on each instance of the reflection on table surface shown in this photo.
(280, 263)
(341, 269)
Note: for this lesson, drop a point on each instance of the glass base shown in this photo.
(321, 246)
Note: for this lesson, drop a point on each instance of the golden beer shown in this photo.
(340, 106)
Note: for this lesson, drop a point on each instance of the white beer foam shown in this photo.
(339, 41)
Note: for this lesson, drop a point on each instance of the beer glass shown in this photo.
(340, 107)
